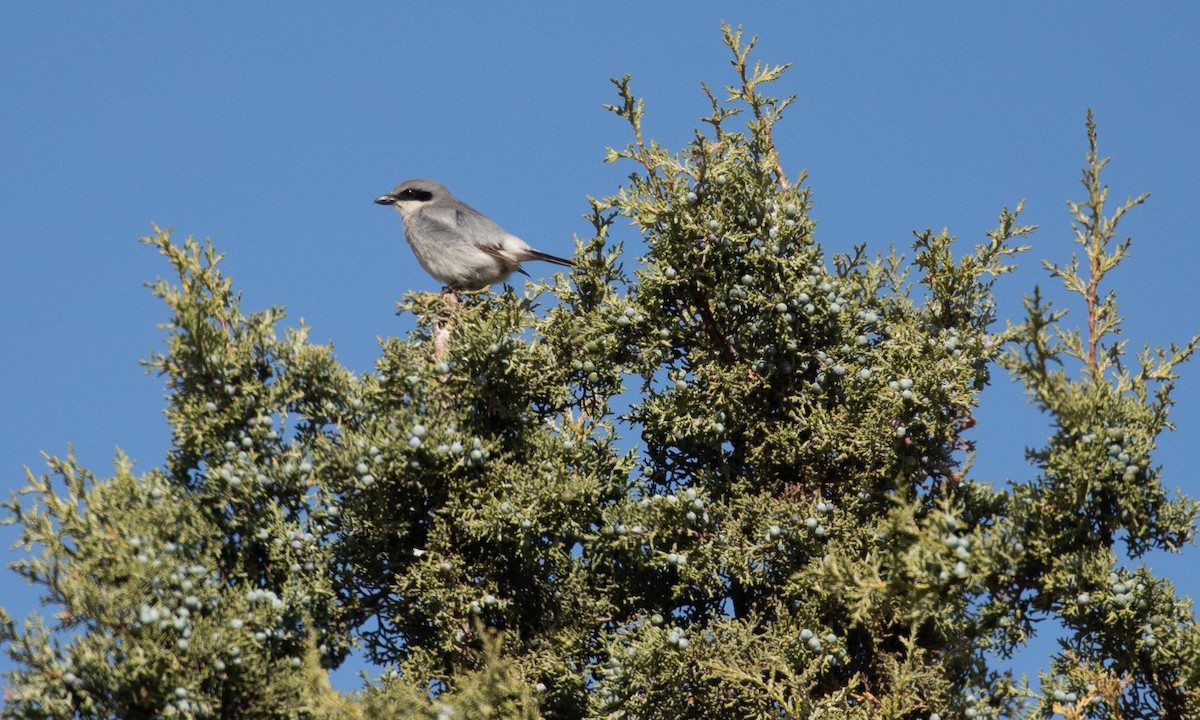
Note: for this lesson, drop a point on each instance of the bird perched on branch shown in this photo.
(456, 243)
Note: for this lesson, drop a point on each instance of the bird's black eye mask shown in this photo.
(414, 194)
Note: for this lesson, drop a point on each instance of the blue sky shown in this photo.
(270, 127)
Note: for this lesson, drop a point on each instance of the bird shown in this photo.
(454, 242)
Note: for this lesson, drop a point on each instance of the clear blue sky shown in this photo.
(270, 127)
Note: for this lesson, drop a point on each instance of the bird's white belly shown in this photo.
(463, 265)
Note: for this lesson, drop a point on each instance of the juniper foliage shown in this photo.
(734, 481)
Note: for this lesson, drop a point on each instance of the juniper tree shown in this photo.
(732, 479)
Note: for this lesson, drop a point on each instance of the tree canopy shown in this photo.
(728, 478)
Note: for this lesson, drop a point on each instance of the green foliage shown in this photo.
(798, 533)
(495, 689)
(1097, 487)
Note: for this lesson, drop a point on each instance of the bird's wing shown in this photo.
(471, 225)
(479, 228)
(506, 259)
(441, 218)
(484, 233)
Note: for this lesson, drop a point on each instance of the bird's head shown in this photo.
(411, 195)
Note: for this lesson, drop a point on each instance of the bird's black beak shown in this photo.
(385, 200)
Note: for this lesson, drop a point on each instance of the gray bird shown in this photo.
(456, 243)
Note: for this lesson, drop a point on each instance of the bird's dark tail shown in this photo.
(535, 255)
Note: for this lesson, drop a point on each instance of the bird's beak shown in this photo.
(385, 200)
